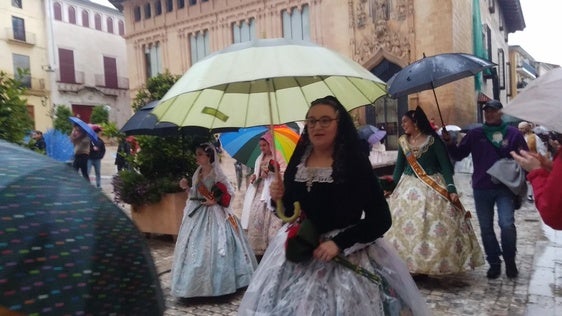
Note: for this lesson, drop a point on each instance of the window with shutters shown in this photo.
(85, 19)
(71, 15)
(110, 72)
(66, 66)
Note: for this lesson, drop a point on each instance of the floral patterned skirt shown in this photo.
(263, 224)
(281, 287)
(428, 232)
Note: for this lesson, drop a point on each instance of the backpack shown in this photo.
(97, 154)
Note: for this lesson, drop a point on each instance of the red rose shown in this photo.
(220, 192)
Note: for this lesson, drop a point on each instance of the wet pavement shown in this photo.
(537, 290)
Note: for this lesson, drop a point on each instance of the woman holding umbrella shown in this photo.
(81, 142)
(429, 228)
(334, 183)
(258, 214)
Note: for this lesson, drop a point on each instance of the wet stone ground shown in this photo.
(537, 290)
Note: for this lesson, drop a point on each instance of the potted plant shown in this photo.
(151, 184)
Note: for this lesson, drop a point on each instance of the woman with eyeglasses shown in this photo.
(212, 256)
(258, 216)
(341, 199)
(430, 230)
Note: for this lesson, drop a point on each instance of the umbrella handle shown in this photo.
(281, 212)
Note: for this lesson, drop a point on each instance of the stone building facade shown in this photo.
(382, 35)
(75, 53)
(23, 44)
(88, 58)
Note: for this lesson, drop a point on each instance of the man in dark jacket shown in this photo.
(39, 144)
(488, 144)
(97, 151)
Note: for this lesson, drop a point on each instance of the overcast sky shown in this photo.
(540, 38)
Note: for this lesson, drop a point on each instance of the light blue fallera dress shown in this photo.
(212, 256)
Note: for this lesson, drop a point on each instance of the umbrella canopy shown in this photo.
(244, 144)
(371, 134)
(434, 71)
(267, 81)
(66, 249)
(540, 102)
(143, 122)
(85, 127)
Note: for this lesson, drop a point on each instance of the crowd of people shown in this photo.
(345, 221)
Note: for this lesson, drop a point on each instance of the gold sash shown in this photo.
(426, 179)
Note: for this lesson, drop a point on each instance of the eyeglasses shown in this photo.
(323, 121)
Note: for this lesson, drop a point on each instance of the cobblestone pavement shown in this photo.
(537, 290)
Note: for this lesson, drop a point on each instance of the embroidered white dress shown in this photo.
(314, 287)
(258, 216)
(212, 256)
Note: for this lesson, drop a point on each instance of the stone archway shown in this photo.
(386, 112)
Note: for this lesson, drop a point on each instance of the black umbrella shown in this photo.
(65, 248)
(434, 71)
(143, 122)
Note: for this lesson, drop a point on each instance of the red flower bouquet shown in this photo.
(272, 164)
(387, 183)
(219, 192)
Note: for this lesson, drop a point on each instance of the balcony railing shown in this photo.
(37, 84)
(28, 38)
(78, 78)
(122, 82)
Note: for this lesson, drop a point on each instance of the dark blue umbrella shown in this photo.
(143, 122)
(434, 71)
(85, 127)
(65, 248)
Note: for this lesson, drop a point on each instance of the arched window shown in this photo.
(121, 26)
(147, 11)
(244, 31)
(137, 13)
(97, 21)
(296, 24)
(71, 15)
(85, 19)
(153, 60)
(199, 45)
(57, 11)
(110, 25)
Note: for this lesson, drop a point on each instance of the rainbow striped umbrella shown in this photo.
(244, 144)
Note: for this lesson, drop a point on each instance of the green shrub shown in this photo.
(61, 122)
(99, 115)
